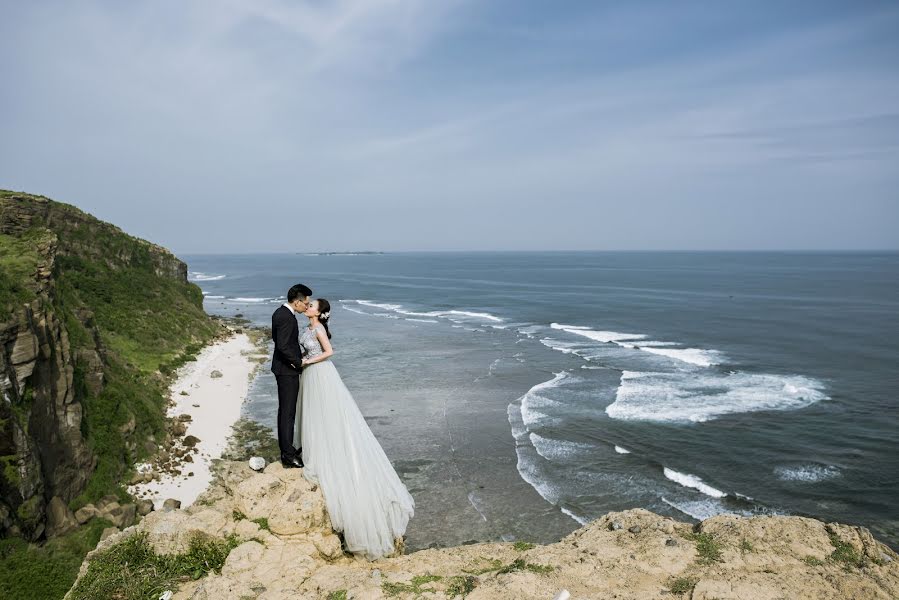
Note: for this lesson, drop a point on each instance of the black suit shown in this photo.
(286, 365)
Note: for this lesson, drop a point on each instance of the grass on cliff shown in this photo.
(18, 264)
(151, 322)
(132, 570)
(33, 572)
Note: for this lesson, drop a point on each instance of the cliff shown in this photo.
(89, 319)
(267, 536)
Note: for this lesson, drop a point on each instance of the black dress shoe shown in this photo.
(295, 462)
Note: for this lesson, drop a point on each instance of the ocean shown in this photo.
(520, 395)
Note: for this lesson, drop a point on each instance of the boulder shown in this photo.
(108, 532)
(121, 515)
(60, 519)
(144, 507)
(171, 504)
(86, 513)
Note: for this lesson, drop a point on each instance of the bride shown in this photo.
(363, 493)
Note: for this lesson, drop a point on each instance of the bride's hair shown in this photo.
(324, 308)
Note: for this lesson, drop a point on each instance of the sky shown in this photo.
(232, 126)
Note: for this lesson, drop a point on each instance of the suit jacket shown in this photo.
(288, 357)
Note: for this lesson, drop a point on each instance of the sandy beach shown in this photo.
(211, 391)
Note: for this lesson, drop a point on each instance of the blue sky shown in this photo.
(226, 126)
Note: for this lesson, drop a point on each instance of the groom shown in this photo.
(287, 362)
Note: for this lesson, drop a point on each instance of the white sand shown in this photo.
(218, 402)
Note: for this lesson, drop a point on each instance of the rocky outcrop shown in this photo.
(288, 550)
(41, 442)
(52, 357)
(85, 236)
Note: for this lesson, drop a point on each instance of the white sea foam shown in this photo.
(252, 300)
(379, 305)
(559, 346)
(357, 311)
(573, 515)
(701, 396)
(810, 473)
(692, 481)
(558, 450)
(211, 297)
(598, 336)
(198, 276)
(422, 320)
(694, 356)
(534, 403)
(698, 509)
(621, 450)
(456, 316)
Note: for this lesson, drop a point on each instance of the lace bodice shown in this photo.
(309, 342)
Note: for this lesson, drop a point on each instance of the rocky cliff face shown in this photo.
(44, 376)
(287, 550)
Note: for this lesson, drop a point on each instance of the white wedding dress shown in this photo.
(365, 497)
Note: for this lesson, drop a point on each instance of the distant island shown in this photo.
(365, 253)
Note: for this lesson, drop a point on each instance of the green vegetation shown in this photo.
(812, 561)
(413, 587)
(707, 546)
(32, 572)
(237, 515)
(262, 522)
(461, 585)
(519, 564)
(337, 595)
(19, 261)
(522, 546)
(682, 585)
(745, 546)
(132, 570)
(845, 553)
(127, 294)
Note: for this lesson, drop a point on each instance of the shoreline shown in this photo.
(206, 400)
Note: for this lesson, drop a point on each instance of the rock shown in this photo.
(106, 500)
(121, 516)
(191, 441)
(171, 504)
(328, 546)
(635, 529)
(185, 417)
(179, 428)
(150, 447)
(671, 542)
(615, 525)
(216, 374)
(257, 463)
(166, 595)
(108, 532)
(60, 519)
(86, 513)
(144, 507)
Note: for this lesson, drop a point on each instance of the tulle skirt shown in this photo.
(365, 497)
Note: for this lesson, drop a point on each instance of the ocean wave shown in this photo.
(420, 320)
(527, 457)
(456, 316)
(563, 347)
(698, 509)
(692, 481)
(621, 450)
(581, 520)
(697, 397)
(558, 450)
(694, 356)
(252, 300)
(534, 403)
(635, 341)
(211, 297)
(198, 276)
(810, 473)
(598, 336)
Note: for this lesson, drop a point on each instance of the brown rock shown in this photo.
(60, 519)
(171, 504)
(86, 513)
(144, 507)
(191, 441)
